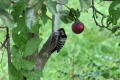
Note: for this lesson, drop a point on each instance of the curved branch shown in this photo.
(7, 41)
(57, 19)
(48, 46)
(53, 23)
(103, 17)
(8, 47)
(45, 52)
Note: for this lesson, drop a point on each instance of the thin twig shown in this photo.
(49, 45)
(103, 17)
(57, 17)
(3, 44)
(8, 47)
(94, 15)
(5, 41)
(53, 23)
(3, 27)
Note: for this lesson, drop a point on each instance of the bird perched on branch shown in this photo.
(61, 40)
(54, 43)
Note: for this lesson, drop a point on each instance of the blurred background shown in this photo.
(92, 55)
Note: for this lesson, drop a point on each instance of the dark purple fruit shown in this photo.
(77, 27)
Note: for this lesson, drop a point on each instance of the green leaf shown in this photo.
(66, 17)
(35, 75)
(16, 57)
(43, 9)
(18, 60)
(114, 12)
(27, 64)
(31, 18)
(77, 14)
(7, 18)
(106, 74)
(31, 46)
(115, 28)
(43, 16)
(85, 4)
(118, 33)
(4, 4)
(74, 13)
(14, 74)
(20, 34)
(51, 6)
(18, 8)
(35, 28)
(114, 68)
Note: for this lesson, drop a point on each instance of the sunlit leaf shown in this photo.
(16, 57)
(31, 18)
(31, 46)
(7, 18)
(51, 6)
(4, 4)
(20, 34)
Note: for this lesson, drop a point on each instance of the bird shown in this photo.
(60, 41)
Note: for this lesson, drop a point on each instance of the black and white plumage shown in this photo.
(61, 40)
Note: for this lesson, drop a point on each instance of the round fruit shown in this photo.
(77, 27)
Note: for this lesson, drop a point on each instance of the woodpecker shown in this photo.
(61, 40)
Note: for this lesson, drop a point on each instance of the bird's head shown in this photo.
(61, 31)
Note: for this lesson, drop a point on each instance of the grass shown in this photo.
(91, 55)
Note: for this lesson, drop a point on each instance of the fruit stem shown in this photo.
(77, 20)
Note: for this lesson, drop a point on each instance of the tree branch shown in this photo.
(57, 18)
(48, 46)
(45, 52)
(102, 20)
(8, 47)
(4, 42)
(53, 23)
(7, 40)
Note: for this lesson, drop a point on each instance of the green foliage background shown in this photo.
(96, 53)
